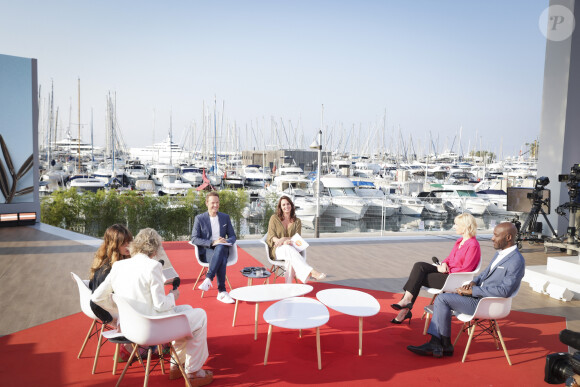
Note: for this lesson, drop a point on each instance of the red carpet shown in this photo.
(46, 355)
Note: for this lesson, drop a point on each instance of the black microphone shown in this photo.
(570, 338)
(435, 260)
(162, 262)
(176, 282)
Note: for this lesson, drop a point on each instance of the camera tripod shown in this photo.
(530, 225)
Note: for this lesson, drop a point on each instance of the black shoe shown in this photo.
(432, 348)
(447, 346)
(399, 307)
(407, 316)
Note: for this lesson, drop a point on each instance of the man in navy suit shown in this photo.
(501, 278)
(213, 233)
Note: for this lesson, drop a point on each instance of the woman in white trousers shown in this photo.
(282, 227)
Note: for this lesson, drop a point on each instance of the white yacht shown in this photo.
(254, 177)
(172, 185)
(191, 174)
(162, 152)
(345, 203)
(108, 171)
(157, 171)
(234, 178)
(409, 205)
(83, 184)
(134, 171)
(463, 198)
(434, 206)
(379, 203)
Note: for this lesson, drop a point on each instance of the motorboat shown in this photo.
(134, 171)
(255, 177)
(84, 184)
(379, 203)
(234, 178)
(157, 171)
(434, 206)
(172, 185)
(191, 174)
(345, 203)
(463, 198)
(409, 205)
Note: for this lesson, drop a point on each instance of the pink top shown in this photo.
(464, 258)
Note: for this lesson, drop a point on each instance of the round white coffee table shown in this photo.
(296, 313)
(351, 302)
(265, 293)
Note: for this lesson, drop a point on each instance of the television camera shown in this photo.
(560, 367)
(531, 229)
(572, 181)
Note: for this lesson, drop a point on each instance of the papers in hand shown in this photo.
(168, 275)
(299, 243)
(225, 244)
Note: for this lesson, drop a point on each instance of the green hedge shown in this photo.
(90, 213)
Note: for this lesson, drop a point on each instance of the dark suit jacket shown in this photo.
(505, 278)
(201, 234)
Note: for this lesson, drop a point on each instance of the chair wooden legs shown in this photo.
(89, 334)
(426, 316)
(127, 365)
(198, 277)
(98, 348)
(493, 329)
(502, 342)
(176, 360)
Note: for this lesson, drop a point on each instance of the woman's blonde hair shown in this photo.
(468, 222)
(147, 242)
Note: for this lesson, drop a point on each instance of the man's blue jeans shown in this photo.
(218, 261)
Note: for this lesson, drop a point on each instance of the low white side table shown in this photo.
(351, 302)
(296, 313)
(266, 293)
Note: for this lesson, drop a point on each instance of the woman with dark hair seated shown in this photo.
(282, 227)
(115, 247)
(464, 257)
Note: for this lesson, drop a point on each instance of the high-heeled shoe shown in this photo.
(399, 307)
(407, 316)
(318, 276)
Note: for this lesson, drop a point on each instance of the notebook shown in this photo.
(299, 243)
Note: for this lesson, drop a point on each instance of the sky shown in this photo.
(373, 75)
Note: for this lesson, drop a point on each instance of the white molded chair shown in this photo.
(151, 331)
(453, 281)
(232, 260)
(277, 267)
(97, 327)
(487, 312)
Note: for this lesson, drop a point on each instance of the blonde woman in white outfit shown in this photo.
(282, 227)
(140, 280)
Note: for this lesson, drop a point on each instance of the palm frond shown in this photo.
(25, 167)
(7, 157)
(3, 180)
(24, 191)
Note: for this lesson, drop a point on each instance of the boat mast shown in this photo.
(79, 138)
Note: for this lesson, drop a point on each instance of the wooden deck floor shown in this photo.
(35, 266)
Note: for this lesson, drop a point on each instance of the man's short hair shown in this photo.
(212, 193)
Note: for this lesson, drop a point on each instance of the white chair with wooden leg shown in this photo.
(232, 260)
(488, 311)
(97, 327)
(151, 332)
(453, 281)
(277, 267)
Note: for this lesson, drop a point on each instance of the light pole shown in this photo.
(317, 144)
